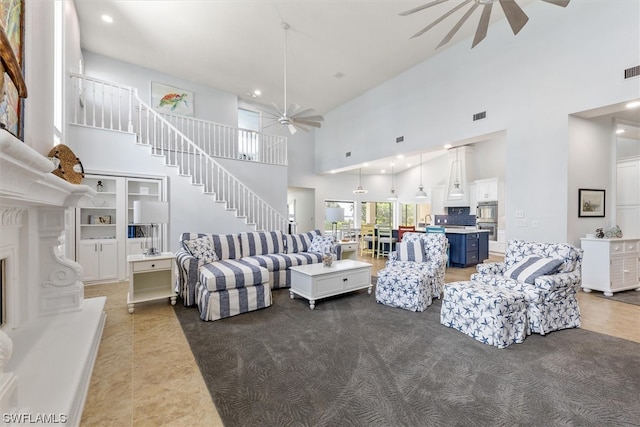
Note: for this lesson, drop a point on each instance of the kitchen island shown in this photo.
(467, 246)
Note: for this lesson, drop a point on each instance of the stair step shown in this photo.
(184, 174)
(171, 166)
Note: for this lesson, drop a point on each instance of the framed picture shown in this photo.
(591, 203)
(171, 100)
(12, 15)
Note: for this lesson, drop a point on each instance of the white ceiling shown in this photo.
(238, 45)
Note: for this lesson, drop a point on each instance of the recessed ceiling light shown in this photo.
(620, 131)
(365, 164)
(633, 104)
(107, 19)
(447, 146)
(382, 171)
(400, 156)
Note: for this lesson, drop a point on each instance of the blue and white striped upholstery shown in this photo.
(551, 299)
(486, 313)
(248, 263)
(230, 273)
(278, 265)
(226, 246)
(221, 304)
(300, 242)
(261, 243)
(411, 251)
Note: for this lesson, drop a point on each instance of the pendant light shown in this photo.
(456, 177)
(360, 190)
(421, 194)
(392, 194)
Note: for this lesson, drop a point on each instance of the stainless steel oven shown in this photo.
(487, 212)
(492, 227)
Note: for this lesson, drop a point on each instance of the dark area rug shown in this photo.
(629, 297)
(352, 362)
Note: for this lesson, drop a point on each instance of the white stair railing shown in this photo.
(117, 107)
(220, 140)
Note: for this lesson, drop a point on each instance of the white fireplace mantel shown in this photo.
(53, 332)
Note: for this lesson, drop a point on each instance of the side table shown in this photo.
(151, 278)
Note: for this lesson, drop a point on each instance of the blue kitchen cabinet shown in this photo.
(468, 249)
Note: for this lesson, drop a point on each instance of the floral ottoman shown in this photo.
(493, 316)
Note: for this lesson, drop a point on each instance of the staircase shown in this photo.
(188, 144)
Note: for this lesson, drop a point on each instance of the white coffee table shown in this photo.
(315, 281)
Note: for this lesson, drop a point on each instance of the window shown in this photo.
(377, 213)
(249, 124)
(407, 214)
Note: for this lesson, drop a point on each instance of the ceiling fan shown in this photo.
(291, 117)
(514, 13)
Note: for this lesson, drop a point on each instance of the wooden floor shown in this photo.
(145, 374)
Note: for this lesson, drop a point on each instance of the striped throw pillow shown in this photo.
(411, 251)
(530, 268)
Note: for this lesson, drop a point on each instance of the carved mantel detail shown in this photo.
(11, 216)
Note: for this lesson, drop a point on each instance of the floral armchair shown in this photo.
(414, 273)
(548, 274)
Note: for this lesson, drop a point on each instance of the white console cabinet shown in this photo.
(610, 265)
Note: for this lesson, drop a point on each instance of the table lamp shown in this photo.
(334, 215)
(151, 213)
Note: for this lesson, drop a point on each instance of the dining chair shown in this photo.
(385, 240)
(403, 229)
(367, 239)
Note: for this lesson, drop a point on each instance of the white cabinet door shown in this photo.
(89, 259)
(108, 259)
(487, 190)
(99, 259)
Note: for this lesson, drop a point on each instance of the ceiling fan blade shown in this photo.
(442, 18)
(515, 15)
(312, 118)
(303, 112)
(292, 109)
(307, 123)
(419, 8)
(301, 126)
(456, 27)
(483, 25)
(562, 3)
(292, 129)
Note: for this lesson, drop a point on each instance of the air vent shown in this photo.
(479, 116)
(399, 139)
(632, 72)
(347, 154)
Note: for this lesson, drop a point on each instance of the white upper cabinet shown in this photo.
(487, 190)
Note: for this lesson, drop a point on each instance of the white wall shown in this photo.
(560, 63)
(591, 162)
(209, 103)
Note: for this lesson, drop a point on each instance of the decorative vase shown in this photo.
(327, 259)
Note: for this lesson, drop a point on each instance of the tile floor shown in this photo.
(145, 374)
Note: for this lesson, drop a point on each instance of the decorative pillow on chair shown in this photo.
(529, 268)
(411, 251)
(321, 244)
(202, 249)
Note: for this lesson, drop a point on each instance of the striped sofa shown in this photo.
(244, 269)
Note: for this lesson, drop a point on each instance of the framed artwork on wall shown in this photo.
(12, 20)
(171, 100)
(591, 203)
